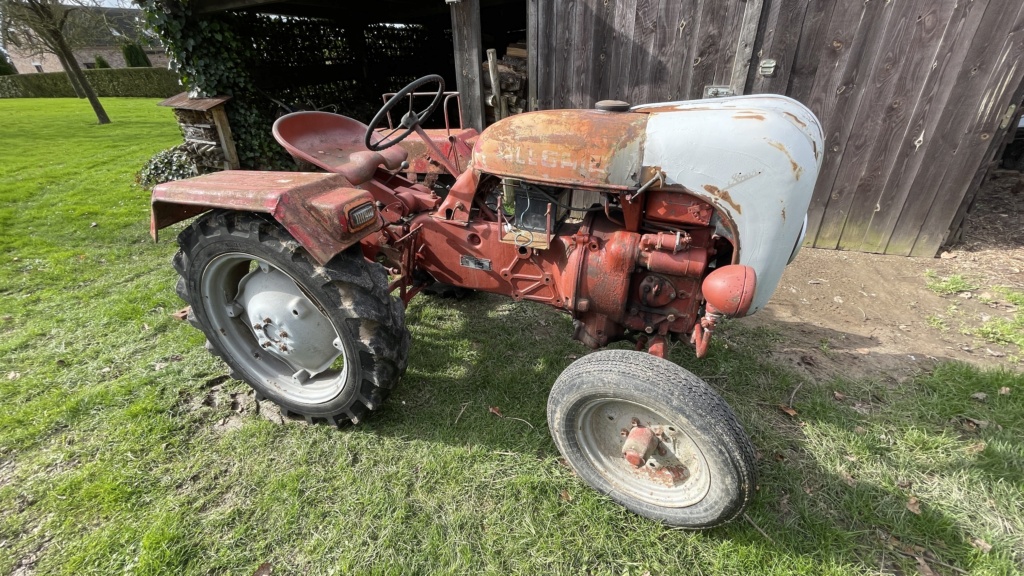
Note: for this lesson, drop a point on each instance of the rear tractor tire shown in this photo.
(653, 437)
(327, 343)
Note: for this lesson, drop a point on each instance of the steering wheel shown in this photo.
(409, 121)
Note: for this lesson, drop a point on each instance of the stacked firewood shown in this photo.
(510, 72)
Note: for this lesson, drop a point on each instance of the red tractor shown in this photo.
(649, 223)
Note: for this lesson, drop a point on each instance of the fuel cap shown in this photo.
(612, 106)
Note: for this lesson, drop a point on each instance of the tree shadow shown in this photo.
(830, 489)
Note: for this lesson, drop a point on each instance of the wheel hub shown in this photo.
(285, 322)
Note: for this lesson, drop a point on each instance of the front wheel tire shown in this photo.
(689, 464)
(326, 343)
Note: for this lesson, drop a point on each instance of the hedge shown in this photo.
(116, 82)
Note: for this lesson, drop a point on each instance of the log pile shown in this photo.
(511, 78)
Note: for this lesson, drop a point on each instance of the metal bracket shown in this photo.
(1008, 117)
(717, 91)
(767, 67)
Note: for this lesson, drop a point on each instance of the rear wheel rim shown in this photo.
(277, 354)
(675, 475)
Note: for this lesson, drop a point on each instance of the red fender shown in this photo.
(323, 212)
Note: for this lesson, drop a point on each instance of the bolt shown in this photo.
(624, 432)
(635, 422)
(671, 317)
(649, 329)
(284, 334)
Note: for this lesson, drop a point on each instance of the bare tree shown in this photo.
(53, 26)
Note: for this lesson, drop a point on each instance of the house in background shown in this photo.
(111, 29)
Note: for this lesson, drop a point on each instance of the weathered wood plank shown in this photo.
(564, 82)
(835, 96)
(468, 56)
(745, 41)
(532, 48)
(546, 53)
(945, 150)
(710, 49)
(622, 21)
(780, 44)
(909, 41)
(687, 34)
(601, 18)
(668, 52)
(1006, 135)
(930, 86)
(975, 146)
(642, 70)
(729, 31)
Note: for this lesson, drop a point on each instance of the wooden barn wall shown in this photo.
(910, 93)
(633, 50)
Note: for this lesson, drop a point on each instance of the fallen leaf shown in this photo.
(571, 356)
(788, 410)
(839, 395)
(947, 255)
(808, 491)
(859, 430)
(808, 360)
(181, 314)
(13, 376)
(994, 353)
(914, 505)
(265, 569)
(105, 370)
(976, 447)
(565, 496)
(904, 484)
(1004, 391)
(176, 358)
(159, 366)
(145, 327)
(780, 457)
(981, 545)
(496, 411)
(923, 566)
(850, 458)
(850, 480)
(979, 396)
(93, 225)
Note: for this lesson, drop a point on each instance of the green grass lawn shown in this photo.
(123, 449)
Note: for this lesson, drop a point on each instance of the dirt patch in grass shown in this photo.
(853, 315)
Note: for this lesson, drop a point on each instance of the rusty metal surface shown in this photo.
(456, 146)
(313, 207)
(577, 148)
(334, 143)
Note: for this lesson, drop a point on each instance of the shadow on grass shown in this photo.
(867, 473)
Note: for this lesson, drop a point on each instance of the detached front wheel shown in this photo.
(326, 343)
(653, 437)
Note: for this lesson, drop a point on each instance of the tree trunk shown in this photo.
(74, 69)
(71, 77)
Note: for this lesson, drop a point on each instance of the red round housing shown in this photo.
(729, 290)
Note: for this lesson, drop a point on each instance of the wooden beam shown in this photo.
(468, 60)
(745, 46)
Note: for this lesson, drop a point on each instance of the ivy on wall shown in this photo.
(213, 59)
(264, 61)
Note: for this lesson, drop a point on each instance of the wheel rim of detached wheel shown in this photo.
(674, 474)
(275, 329)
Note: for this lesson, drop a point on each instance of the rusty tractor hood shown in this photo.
(754, 158)
(577, 148)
